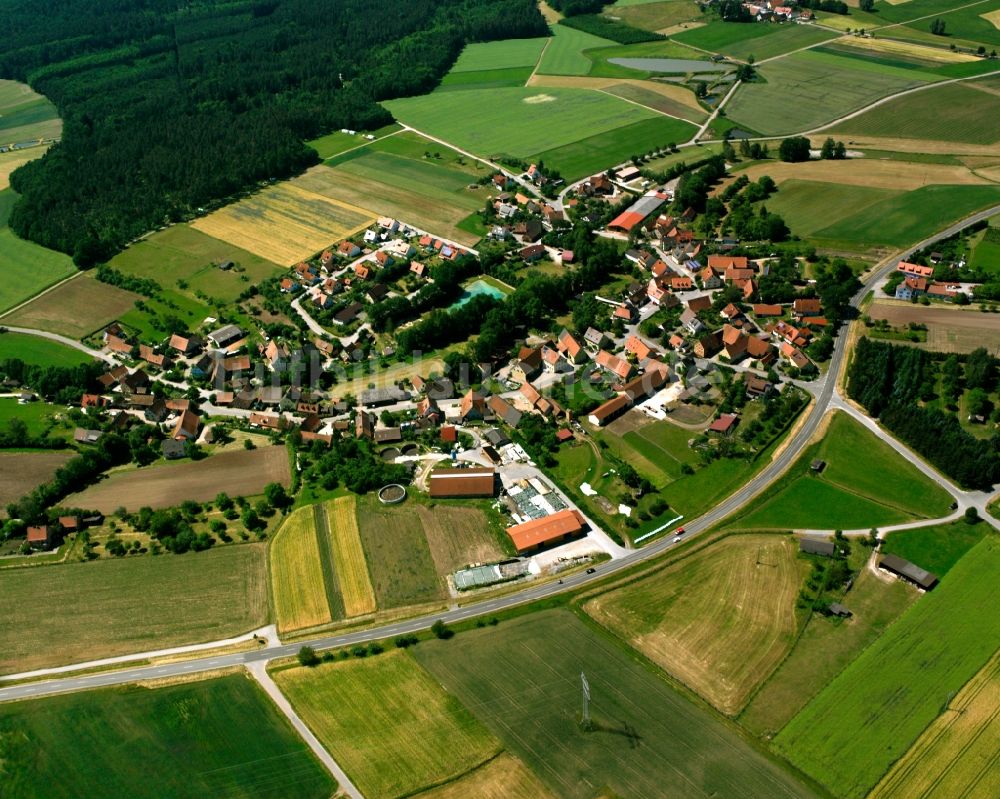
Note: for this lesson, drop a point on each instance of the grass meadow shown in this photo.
(684, 618)
(655, 15)
(26, 115)
(219, 737)
(788, 100)
(872, 712)
(851, 492)
(971, 117)
(938, 547)
(956, 755)
(760, 41)
(564, 55)
(297, 575)
(823, 649)
(504, 54)
(40, 351)
(809, 205)
(522, 680)
(387, 723)
(121, 606)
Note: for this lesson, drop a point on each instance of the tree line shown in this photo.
(891, 382)
(613, 29)
(168, 109)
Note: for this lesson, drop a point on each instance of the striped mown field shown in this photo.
(349, 564)
(297, 577)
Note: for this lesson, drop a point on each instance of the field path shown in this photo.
(69, 342)
(259, 672)
(538, 63)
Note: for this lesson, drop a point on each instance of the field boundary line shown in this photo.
(928, 16)
(640, 105)
(258, 671)
(44, 291)
(357, 147)
(538, 63)
(334, 595)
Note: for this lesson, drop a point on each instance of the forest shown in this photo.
(893, 382)
(170, 107)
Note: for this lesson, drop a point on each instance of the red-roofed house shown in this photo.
(620, 368)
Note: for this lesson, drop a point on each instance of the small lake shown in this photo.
(669, 65)
(475, 289)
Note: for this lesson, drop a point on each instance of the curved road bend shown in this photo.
(489, 606)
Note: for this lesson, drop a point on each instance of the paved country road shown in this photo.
(801, 438)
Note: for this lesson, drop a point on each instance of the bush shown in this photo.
(405, 641)
(442, 630)
(971, 516)
(307, 656)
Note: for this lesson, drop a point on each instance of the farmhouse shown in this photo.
(760, 350)
(480, 482)
(620, 368)
(915, 270)
(377, 397)
(724, 425)
(40, 537)
(504, 411)
(638, 212)
(908, 571)
(609, 411)
(225, 336)
(548, 530)
(810, 546)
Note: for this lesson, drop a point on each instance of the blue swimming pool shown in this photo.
(477, 288)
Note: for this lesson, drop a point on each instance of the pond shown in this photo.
(669, 65)
(477, 288)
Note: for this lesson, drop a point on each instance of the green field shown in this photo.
(594, 153)
(503, 54)
(518, 122)
(37, 416)
(936, 548)
(656, 101)
(852, 492)
(387, 723)
(564, 55)
(522, 679)
(809, 205)
(220, 737)
(118, 607)
(826, 646)
(867, 718)
(39, 351)
(789, 100)
(661, 48)
(910, 217)
(964, 24)
(28, 268)
(971, 116)
(181, 254)
(486, 79)
(654, 15)
(761, 41)
(26, 115)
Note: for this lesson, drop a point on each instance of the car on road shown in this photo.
(680, 531)
(591, 570)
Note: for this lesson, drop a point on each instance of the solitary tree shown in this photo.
(307, 656)
(971, 515)
(937, 27)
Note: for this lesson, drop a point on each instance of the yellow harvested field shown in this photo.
(297, 574)
(285, 223)
(458, 537)
(12, 160)
(504, 777)
(870, 172)
(719, 621)
(864, 142)
(349, 563)
(992, 17)
(958, 754)
(675, 93)
(894, 47)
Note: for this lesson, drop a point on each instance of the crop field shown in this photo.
(911, 52)
(685, 618)
(971, 117)
(399, 559)
(652, 96)
(910, 217)
(966, 24)
(76, 309)
(564, 55)
(870, 715)
(181, 253)
(284, 223)
(388, 723)
(957, 754)
(39, 351)
(22, 472)
(655, 15)
(458, 536)
(880, 173)
(948, 329)
(14, 159)
(522, 680)
(936, 548)
(219, 737)
(760, 41)
(789, 102)
(26, 115)
(28, 268)
(810, 205)
(297, 578)
(517, 121)
(851, 492)
(503, 54)
(504, 777)
(122, 606)
(719, 36)
(589, 155)
(238, 473)
(826, 647)
(349, 564)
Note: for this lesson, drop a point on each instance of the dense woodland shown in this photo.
(170, 106)
(894, 382)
